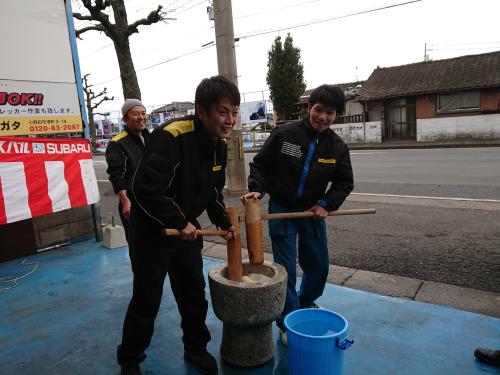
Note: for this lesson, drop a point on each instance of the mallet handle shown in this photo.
(200, 232)
(292, 215)
(298, 215)
(285, 215)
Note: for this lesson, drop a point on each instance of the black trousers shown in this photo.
(124, 221)
(155, 257)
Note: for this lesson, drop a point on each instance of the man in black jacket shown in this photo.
(295, 167)
(181, 174)
(123, 154)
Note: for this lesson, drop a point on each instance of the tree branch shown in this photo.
(153, 17)
(88, 28)
(82, 17)
(100, 94)
(97, 15)
(99, 4)
(105, 99)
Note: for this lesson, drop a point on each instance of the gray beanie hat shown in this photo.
(130, 103)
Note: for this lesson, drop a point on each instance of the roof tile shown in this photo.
(459, 73)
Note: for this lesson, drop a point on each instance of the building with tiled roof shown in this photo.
(432, 77)
(443, 100)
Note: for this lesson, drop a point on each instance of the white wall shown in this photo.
(35, 41)
(361, 132)
(353, 108)
(459, 127)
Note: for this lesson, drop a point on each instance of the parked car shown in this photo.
(101, 145)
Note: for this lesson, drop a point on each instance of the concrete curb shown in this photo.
(399, 145)
(413, 145)
(477, 301)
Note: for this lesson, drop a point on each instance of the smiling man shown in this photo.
(181, 174)
(295, 166)
(123, 154)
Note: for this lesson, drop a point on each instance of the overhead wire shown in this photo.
(304, 24)
(185, 10)
(160, 63)
(171, 14)
(258, 33)
(462, 44)
(276, 9)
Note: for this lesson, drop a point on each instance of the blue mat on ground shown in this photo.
(66, 318)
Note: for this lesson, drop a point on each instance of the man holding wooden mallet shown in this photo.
(295, 166)
(181, 174)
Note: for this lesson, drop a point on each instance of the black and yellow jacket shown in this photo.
(296, 165)
(181, 174)
(122, 155)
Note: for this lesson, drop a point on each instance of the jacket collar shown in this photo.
(145, 133)
(306, 125)
(202, 136)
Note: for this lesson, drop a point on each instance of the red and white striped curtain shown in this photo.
(39, 176)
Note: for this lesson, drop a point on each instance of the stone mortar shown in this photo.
(248, 311)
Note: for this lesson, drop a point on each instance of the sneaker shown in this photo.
(203, 361)
(283, 337)
(488, 356)
(131, 370)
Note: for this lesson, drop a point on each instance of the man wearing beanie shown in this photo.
(123, 154)
(181, 174)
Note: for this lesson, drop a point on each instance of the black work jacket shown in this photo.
(122, 155)
(279, 167)
(181, 174)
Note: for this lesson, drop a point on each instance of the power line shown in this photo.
(191, 7)
(97, 50)
(257, 33)
(109, 44)
(182, 5)
(160, 63)
(275, 9)
(463, 49)
(266, 32)
(463, 44)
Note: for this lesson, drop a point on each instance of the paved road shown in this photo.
(465, 172)
(443, 238)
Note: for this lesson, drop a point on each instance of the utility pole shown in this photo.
(226, 61)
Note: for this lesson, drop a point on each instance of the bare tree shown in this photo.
(119, 32)
(92, 104)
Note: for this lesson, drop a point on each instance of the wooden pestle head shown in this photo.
(234, 263)
(253, 226)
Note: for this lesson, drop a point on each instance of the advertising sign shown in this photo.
(39, 176)
(38, 108)
(38, 90)
(253, 112)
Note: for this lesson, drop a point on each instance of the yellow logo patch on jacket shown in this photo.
(180, 127)
(217, 168)
(327, 161)
(119, 136)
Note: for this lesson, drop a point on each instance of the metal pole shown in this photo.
(226, 61)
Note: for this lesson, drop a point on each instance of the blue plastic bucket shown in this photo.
(316, 342)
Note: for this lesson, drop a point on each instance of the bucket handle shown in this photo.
(344, 344)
